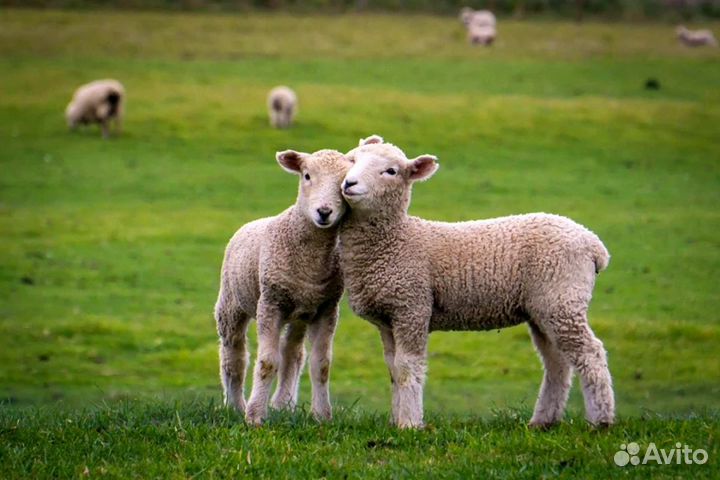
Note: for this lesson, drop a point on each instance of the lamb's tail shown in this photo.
(600, 254)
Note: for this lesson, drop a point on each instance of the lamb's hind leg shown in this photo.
(585, 352)
(557, 380)
(234, 356)
(292, 359)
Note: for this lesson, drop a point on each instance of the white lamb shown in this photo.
(100, 102)
(695, 38)
(411, 276)
(284, 271)
(282, 106)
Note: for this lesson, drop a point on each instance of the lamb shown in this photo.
(284, 271)
(282, 107)
(695, 38)
(411, 276)
(100, 102)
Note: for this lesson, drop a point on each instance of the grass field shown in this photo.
(110, 250)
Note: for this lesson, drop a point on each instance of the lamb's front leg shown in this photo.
(322, 332)
(269, 323)
(411, 337)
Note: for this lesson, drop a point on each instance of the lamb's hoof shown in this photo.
(411, 425)
(253, 417)
(238, 407)
(322, 415)
(542, 426)
(254, 421)
(601, 424)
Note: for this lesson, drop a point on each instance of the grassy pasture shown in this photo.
(110, 250)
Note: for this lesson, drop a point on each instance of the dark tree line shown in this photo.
(567, 8)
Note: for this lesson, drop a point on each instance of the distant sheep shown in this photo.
(695, 38)
(284, 270)
(101, 101)
(411, 276)
(481, 26)
(282, 106)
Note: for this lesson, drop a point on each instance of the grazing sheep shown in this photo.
(695, 38)
(282, 107)
(411, 276)
(97, 102)
(284, 271)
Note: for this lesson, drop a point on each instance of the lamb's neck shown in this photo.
(306, 236)
(314, 259)
(361, 231)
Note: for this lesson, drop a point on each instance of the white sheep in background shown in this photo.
(695, 38)
(282, 106)
(284, 271)
(481, 25)
(411, 276)
(100, 102)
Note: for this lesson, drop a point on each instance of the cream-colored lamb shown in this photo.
(695, 38)
(284, 271)
(411, 276)
(282, 107)
(101, 101)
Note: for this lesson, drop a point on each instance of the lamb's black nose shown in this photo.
(349, 183)
(324, 213)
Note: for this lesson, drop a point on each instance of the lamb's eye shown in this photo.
(391, 171)
(307, 176)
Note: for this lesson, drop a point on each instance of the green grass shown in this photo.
(110, 250)
(200, 439)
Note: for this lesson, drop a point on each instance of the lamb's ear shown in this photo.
(370, 140)
(423, 167)
(290, 160)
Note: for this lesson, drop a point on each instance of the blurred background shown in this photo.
(626, 9)
(111, 248)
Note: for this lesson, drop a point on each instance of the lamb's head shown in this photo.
(681, 31)
(381, 177)
(321, 174)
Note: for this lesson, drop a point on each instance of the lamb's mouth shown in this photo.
(350, 193)
(323, 223)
